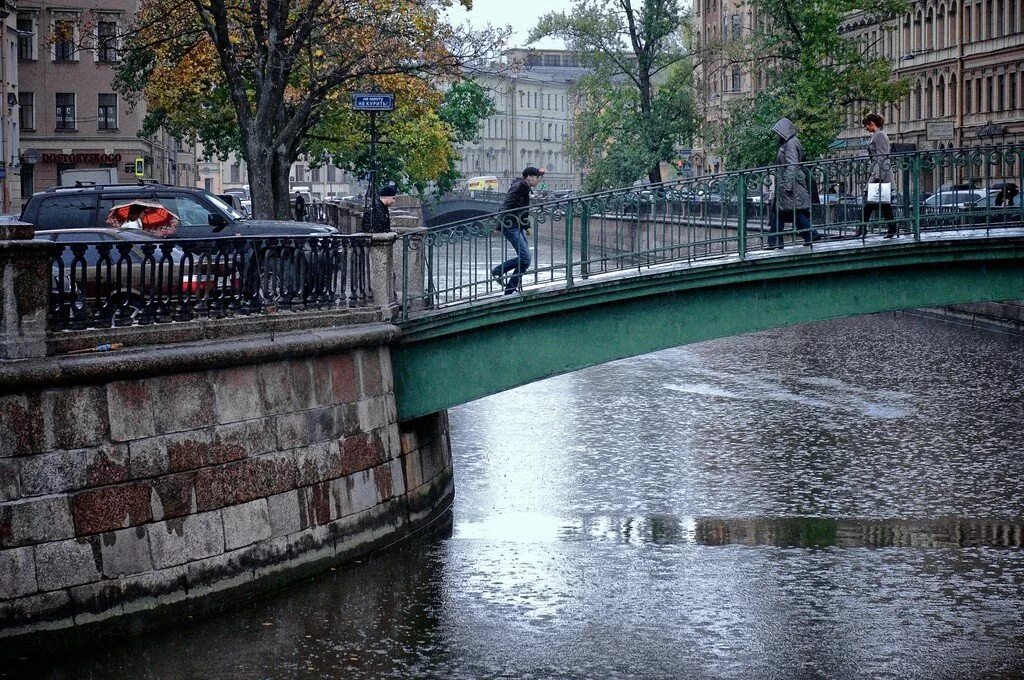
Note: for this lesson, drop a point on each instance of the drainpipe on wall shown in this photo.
(5, 136)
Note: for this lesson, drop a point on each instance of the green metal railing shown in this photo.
(725, 215)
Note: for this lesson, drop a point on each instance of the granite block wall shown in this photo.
(124, 503)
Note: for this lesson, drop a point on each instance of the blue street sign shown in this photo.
(373, 101)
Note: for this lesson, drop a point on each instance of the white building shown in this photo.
(533, 120)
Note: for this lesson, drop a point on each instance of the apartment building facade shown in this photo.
(68, 116)
(533, 119)
(963, 58)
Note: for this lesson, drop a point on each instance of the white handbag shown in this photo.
(879, 192)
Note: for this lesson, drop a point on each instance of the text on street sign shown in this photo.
(373, 101)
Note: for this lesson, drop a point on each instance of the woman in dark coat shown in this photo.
(880, 172)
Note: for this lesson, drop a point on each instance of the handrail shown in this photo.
(97, 284)
(687, 219)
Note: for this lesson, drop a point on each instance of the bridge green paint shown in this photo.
(457, 356)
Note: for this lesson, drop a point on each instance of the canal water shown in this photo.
(842, 499)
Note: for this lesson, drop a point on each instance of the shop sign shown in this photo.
(73, 158)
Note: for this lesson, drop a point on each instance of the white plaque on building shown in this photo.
(939, 130)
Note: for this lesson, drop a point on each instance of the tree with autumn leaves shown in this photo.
(272, 79)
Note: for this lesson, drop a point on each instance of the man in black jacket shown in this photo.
(377, 218)
(515, 220)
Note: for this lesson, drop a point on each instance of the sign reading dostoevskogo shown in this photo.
(69, 158)
(939, 130)
(373, 101)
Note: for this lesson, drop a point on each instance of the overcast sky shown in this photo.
(521, 16)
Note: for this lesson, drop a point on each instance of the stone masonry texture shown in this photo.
(122, 497)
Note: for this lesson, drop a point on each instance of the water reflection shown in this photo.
(783, 532)
(838, 500)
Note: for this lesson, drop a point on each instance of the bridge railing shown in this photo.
(724, 215)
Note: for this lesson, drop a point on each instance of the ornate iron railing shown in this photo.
(729, 214)
(143, 281)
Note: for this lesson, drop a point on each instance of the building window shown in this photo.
(736, 76)
(315, 172)
(107, 112)
(551, 60)
(1000, 98)
(332, 173)
(26, 37)
(27, 111)
(990, 99)
(737, 26)
(63, 40)
(65, 111)
(1013, 91)
(235, 173)
(106, 42)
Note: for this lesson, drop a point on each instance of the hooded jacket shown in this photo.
(791, 192)
(518, 200)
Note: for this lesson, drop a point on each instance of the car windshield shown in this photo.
(217, 202)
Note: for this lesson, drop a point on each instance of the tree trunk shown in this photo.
(279, 177)
(260, 168)
(646, 95)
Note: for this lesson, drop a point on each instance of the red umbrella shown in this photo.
(149, 216)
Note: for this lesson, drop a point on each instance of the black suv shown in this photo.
(202, 214)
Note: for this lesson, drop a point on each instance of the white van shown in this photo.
(483, 183)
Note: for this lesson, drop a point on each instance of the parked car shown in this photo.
(1003, 207)
(202, 214)
(952, 201)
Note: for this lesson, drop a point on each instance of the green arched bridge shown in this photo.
(624, 273)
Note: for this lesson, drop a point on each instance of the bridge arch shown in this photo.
(458, 356)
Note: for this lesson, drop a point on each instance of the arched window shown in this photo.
(737, 26)
(918, 34)
(941, 24)
(930, 99)
(952, 95)
(929, 30)
(736, 77)
(940, 95)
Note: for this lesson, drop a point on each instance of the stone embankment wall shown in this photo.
(1005, 317)
(153, 494)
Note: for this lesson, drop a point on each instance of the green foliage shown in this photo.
(616, 141)
(465, 105)
(814, 73)
(417, 151)
(636, 108)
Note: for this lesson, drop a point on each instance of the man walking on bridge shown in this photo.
(514, 224)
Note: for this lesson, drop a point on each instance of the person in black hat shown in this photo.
(515, 220)
(376, 218)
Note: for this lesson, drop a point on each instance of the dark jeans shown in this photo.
(518, 264)
(869, 210)
(776, 218)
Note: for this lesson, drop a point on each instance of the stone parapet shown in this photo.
(138, 487)
(24, 291)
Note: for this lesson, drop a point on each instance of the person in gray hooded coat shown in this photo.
(792, 197)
